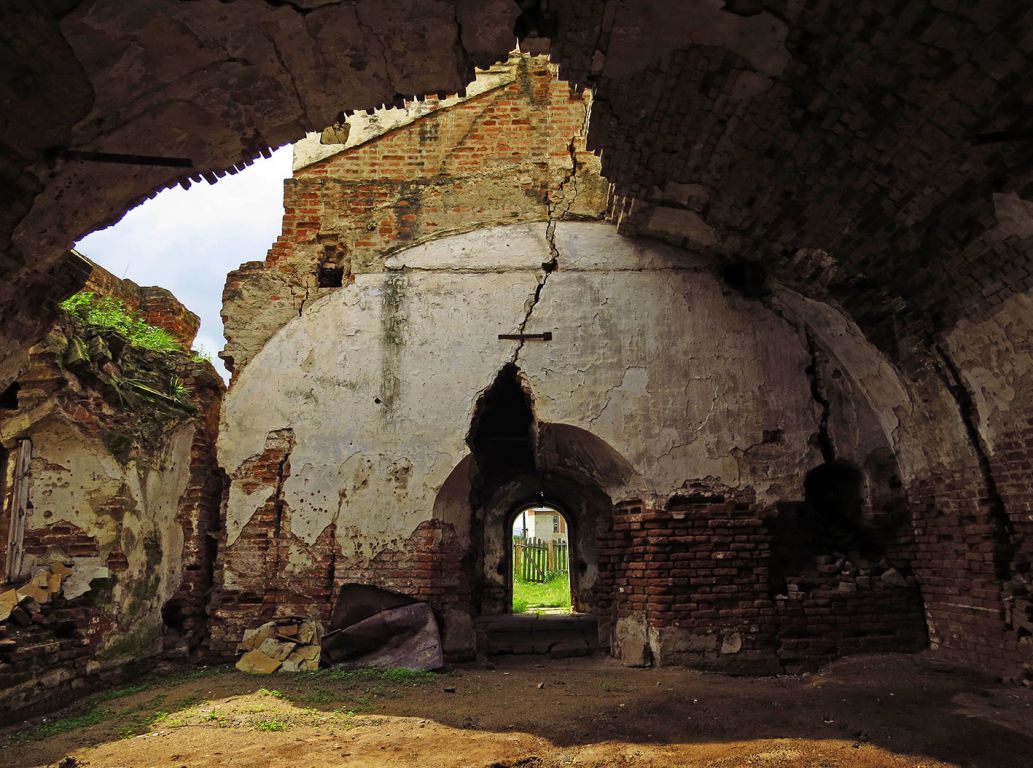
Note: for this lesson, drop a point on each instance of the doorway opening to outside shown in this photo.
(540, 558)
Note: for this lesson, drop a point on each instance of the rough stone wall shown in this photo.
(209, 85)
(512, 152)
(339, 466)
(862, 153)
(795, 127)
(129, 531)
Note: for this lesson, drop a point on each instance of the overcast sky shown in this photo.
(187, 240)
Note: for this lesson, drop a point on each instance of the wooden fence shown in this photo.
(534, 559)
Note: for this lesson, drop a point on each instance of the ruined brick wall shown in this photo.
(697, 569)
(972, 499)
(156, 305)
(692, 581)
(974, 551)
(122, 499)
(268, 571)
(52, 658)
(513, 153)
(185, 614)
(366, 459)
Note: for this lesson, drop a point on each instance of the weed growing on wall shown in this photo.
(109, 312)
(134, 367)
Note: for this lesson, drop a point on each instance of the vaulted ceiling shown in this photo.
(875, 154)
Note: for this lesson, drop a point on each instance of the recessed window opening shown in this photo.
(541, 561)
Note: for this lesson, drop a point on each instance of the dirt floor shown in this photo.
(535, 713)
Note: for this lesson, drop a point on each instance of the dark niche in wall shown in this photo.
(829, 521)
(9, 398)
(502, 433)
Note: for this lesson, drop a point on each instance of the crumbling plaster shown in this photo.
(650, 353)
(995, 358)
(126, 508)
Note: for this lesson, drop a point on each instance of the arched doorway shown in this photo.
(571, 478)
(540, 557)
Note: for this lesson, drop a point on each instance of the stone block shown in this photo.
(629, 637)
(257, 663)
(276, 649)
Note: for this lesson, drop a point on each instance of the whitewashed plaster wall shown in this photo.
(650, 352)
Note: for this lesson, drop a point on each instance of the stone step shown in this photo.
(556, 635)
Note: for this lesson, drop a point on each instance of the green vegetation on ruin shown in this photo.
(135, 367)
(111, 313)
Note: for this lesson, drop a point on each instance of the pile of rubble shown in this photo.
(369, 627)
(290, 644)
(68, 580)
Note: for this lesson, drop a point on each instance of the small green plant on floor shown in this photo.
(271, 725)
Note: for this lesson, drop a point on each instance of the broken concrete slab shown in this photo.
(275, 649)
(278, 644)
(253, 638)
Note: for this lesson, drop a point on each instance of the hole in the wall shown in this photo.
(65, 629)
(536, 21)
(330, 276)
(834, 492)
(747, 278)
(829, 521)
(9, 397)
(172, 616)
(744, 7)
(501, 433)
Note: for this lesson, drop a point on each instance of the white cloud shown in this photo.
(187, 240)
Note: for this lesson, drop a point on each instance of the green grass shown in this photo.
(131, 720)
(271, 725)
(398, 675)
(529, 596)
(111, 313)
(64, 725)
